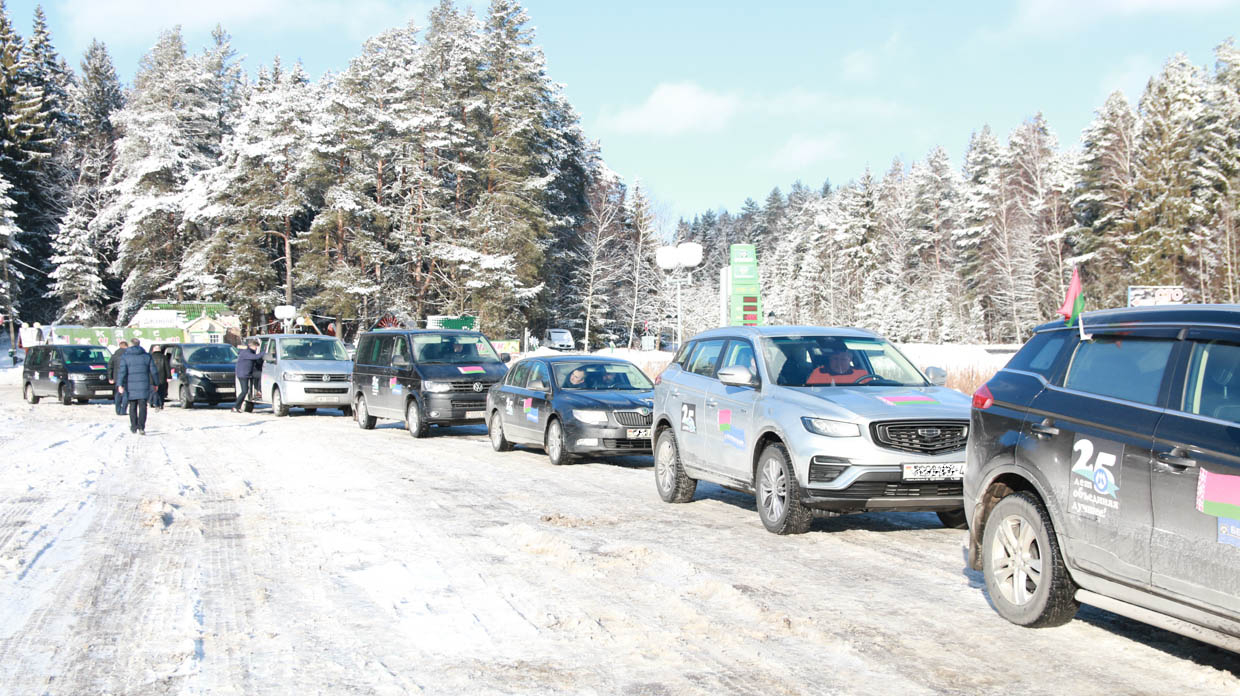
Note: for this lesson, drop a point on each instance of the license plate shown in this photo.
(639, 433)
(475, 414)
(950, 471)
(323, 399)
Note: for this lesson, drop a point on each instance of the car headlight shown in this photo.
(196, 373)
(78, 376)
(831, 428)
(294, 376)
(591, 417)
(433, 386)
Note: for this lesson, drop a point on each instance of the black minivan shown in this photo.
(66, 372)
(424, 377)
(201, 373)
(1105, 470)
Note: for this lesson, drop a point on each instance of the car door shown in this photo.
(1195, 548)
(729, 415)
(40, 363)
(381, 379)
(507, 399)
(176, 371)
(692, 386)
(401, 382)
(1091, 436)
(530, 410)
(269, 348)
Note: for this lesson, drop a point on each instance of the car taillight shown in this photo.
(982, 398)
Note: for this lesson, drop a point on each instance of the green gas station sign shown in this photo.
(745, 293)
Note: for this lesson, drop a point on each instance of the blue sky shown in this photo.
(708, 103)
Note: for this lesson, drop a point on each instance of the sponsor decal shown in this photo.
(98, 367)
(374, 384)
(508, 406)
(688, 418)
(725, 420)
(902, 399)
(53, 377)
(1229, 531)
(1094, 478)
(472, 370)
(734, 437)
(397, 389)
(392, 382)
(531, 415)
(1218, 495)
(527, 405)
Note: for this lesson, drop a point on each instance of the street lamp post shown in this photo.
(683, 256)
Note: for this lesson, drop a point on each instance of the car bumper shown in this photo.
(860, 475)
(315, 394)
(455, 408)
(92, 390)
(584, 438)
(207, 390)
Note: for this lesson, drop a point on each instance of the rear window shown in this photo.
(1038, 355)
(1122, 367)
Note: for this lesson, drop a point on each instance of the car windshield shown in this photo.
(312, 349)
(222, 353)
(596, 376)
(454, 349)
(81, 355)
(821, 361)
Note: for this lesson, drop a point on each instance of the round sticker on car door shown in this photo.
(1094, 478)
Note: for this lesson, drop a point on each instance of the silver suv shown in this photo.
(305, 370)
(809, 419)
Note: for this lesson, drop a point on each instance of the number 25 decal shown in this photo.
(1098, 469)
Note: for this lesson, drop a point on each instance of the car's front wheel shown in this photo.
(66, 395)
(557, 449)
(365, 421)
(670, 479)
(778, 495)
(187, 399)
(1024, 571)
(278, 407)
(28, 392)
(495, 428)
(414, 421)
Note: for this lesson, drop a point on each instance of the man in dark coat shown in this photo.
(118, 399)
(162, 373)
(135, 378)
(249, 371)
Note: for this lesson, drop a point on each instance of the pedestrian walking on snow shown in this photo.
(118, 399)
(249, 371)
(135, 378)
(159, 392)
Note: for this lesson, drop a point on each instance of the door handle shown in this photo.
(712, 403)
(1044, 429)
(675, 392)
(1176, 459)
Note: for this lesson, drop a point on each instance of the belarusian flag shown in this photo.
(1074, 302)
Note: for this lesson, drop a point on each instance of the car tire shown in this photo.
(347, 411)
(1019, 532)
(673, 484)
(28, 392)
(278, 407)
(66, 396)
(495, 429)
(953, 519)
(361, 414)
(187, 399)
(777, 494)
(414, 422)
(554, 444)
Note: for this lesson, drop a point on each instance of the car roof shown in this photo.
(462, 332)
(576, 358)
(190, 345)
(74, 345)
(1193, 314)
(288, 335)
(768, 331)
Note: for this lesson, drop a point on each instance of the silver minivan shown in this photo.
(306, 371)
(809, 419)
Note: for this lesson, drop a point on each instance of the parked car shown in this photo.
(572, 405)
(1106, 471)
(66, 372)
(202, 373)
(809, 419)
(306, 371)
(424, 376)
(558, 339)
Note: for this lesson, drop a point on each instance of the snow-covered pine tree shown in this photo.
(642, 279)
(597, 258)
(10, 273)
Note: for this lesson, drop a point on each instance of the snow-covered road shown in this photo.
(225, 553)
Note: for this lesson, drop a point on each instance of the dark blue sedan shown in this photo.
(571, 405)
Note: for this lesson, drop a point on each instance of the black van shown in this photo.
(66, 372)
(424, 377)
(1106, 471)
(201, 372)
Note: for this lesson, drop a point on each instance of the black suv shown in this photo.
(1107, 471)
(424, 377)
(66, 372)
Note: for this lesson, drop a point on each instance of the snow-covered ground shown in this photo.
(244, 554)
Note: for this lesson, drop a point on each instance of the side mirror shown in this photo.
(505, 358)
(937, 376)
(400, 361)
(737, 376)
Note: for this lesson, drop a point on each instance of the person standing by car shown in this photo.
(249, 370)
(118, 399)
(135, 378)
(159, 390)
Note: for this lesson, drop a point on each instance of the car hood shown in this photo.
(605, 400)
(880, 403)
(463, 372)
(330, 367)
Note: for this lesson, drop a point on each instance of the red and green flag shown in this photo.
(1074, 302)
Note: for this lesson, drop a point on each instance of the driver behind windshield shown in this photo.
(835, 368)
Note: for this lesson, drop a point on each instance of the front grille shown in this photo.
(885, 489)
(634, 419)
(327, 390)
(461, 405)
(625, 444)
(469, 386)
(921, 437)
(221, 376)
(313, 377)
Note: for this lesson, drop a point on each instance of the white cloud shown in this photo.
(675, 108)
(130, 21)
(801, 151)
(1040, 15)
(858, 66)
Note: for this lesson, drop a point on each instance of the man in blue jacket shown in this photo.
(135, 377)
(118, 399)
(249, 371)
